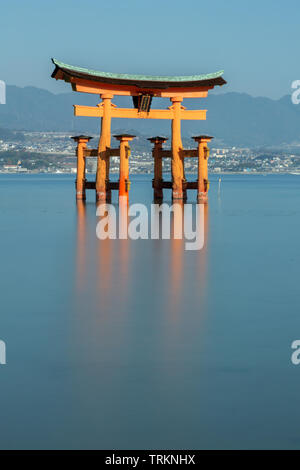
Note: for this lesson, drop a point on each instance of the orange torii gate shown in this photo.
(142, 89)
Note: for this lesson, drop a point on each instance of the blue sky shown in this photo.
(256, 42)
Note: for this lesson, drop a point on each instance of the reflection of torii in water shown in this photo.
(177, 259)
(109, 250)
(142, 89)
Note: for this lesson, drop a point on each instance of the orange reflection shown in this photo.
(202, 265)
(124, 243)
(182, 259)
(109, 269)
(113, 256)
(81, 243)
(104, 256)
(177, 256)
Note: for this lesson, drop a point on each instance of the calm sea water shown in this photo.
(141, 344)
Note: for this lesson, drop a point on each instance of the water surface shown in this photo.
(142, 344)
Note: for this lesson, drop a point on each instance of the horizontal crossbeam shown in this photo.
(90, 152)
(115, 152)
(186, 153)
(89, 86)
(114, 185)
(132, 113)
(168, 184)
(94, 152)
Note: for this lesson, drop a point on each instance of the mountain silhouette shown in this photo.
(233, 118)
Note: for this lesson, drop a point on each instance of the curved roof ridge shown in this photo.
(139, 78)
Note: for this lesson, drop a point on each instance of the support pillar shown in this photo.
(203, 154)
(177, 157)
(81, 140)
(102, 176)
(158, 179)
(124, 183)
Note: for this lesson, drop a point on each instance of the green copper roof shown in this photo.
(127, 78)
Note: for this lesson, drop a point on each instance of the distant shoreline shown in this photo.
(248, 173)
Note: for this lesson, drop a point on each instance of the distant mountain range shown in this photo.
(233, 118)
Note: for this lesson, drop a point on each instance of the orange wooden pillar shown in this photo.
(103, 192)
(81, 140)
(124, 182)
(177, 157)
(157, 156)
(203, 154)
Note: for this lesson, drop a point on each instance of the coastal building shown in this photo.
(11, 167)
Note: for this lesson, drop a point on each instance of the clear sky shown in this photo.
(256, 42)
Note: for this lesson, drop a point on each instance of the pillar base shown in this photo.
(108, 194)
(202, 197)
(158, 200)
(123, 200)
(158, 195)
(176, 194)
(101, 196)
(80, 195)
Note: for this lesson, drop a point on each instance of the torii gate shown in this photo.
(142, 89)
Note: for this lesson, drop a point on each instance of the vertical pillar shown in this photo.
(177, 157)
(102, 176)
(81, 140)
(156, 153)
(124, 182)
(203, 154)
